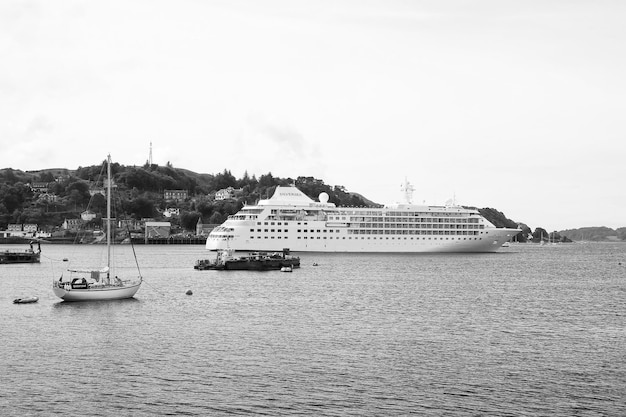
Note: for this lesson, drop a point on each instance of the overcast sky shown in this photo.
(514, 105)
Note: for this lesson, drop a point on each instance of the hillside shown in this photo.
(49, 197)
(596, 234)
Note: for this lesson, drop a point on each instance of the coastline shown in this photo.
(200, 240)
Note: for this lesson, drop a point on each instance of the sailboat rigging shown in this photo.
(91, 284)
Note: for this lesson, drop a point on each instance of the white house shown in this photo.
(226, 193)
(169, 212)
(88, 215)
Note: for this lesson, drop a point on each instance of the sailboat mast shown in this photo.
(109, 211)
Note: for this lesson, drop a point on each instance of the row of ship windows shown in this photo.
(404, 217)
(420, 226)
(392, 232)
(397, 213)
(379, 232)
(348, 213)
(446, 222)
(387, 226)
(409, 220)
(373, 238)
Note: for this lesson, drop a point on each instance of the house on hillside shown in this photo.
(96, 190)
(50, 198)
(227, 193)
(87, 215)
(39, 187)
(73, 225)
(171, 211)
(175, 195)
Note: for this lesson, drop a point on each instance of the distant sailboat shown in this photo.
(92, 284)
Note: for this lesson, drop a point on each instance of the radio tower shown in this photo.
(150, 156)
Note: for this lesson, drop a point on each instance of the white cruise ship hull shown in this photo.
(489, 241)
(292, 220)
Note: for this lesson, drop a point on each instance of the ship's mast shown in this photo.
(408, 189)
(108, 212)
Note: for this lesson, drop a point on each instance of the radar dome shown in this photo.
(323, 198)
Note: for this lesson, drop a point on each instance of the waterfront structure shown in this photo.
(157, 229)
(291, 219)
(19, 231)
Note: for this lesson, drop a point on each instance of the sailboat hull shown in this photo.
(95, 294)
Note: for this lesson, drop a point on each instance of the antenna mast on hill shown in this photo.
(150, 156)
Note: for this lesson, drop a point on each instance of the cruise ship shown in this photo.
(291, 219)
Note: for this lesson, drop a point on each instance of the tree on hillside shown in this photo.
(92, 173)
(189, 220)
(224, 180)
(540, 234)
(78, 194)
(497, 218)
(267, 180)
(141, 179)
(217, 218)
(98, 204)
(33, 215)
(14, 196)
(8, 176)
(524, 236)
(246, 181)
(46, 177)
(139, 208)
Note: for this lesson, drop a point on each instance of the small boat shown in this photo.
(255, 261)
(26, 300)
(286, 269)
(96, 284)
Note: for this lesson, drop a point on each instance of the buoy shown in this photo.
(189, 292)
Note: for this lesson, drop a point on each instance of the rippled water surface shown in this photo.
(532, 330)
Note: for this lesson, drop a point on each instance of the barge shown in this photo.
(255, 261)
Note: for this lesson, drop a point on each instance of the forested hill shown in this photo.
(50, 196)
(596, 234)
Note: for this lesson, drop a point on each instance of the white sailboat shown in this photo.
(93, 284)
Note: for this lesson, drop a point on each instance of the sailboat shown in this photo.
(94, 284)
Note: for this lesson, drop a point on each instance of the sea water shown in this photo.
(528, 331)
